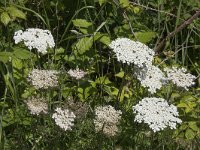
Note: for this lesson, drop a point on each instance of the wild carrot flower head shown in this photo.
(150, 77)
(35, 38)
(37, 105)
(157, 113)
(179, 77)
(128, 51)
(106, 119)
(43, 79)
(64, 118)
(77, 73)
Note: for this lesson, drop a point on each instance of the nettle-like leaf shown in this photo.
(81, 23)
(83, 45)
(5, 18)
(22, 53)
(14, 12)
(145, 37)
(103, 38)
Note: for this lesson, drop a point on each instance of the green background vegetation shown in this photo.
(82, 30)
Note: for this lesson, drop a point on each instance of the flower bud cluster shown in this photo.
(157, 113)
(35, 38)
(43, 78)
(64, 118)
(179, 77)
(37, 105)
(106, 119)
(128, 51)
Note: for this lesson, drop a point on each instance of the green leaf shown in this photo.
(102, 80)
(120, 74)
(124, 3)
(5, 56)
(145, 37)
(83, 45)
(103, 38)
(17, 63)
(22, 53)
(182, 105)
(193, 126)
(188, 98)
(190, 134)
(81, 23)
(14, 12)
(5, 18)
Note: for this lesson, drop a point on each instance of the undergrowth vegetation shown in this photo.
(100, 74)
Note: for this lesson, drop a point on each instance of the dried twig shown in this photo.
(178, 29)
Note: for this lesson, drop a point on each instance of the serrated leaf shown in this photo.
(120, 74)
(182, 105)
(188, 98)
(103, 38)
(145, 37)
(83, 45)
(5, 56)
(190, 134)
(81, 23)
(22, 53)
(193, 126)
(17, 63)
(5, 18)
(102, 80)
(14, 12)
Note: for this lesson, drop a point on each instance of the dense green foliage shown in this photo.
(82, 30)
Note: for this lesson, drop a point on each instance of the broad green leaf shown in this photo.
(190, 134)
(102, 80)
(145, 37)
(103, 38)
(5, 56)
(5, 18)
(22, 53)
(124, 3)
(120, 74)
(27, 93)
(17, 63)
(188, 98)
(81, 23)
(193, 126)
(83, 45)
(182, 105)
(14, 12)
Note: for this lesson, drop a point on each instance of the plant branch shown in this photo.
(178, 29)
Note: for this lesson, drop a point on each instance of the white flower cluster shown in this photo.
(128, 51)
(157, 113)
(35, 38)
(64, 118)
(151, 77)
(77, 73)
(43, 78)
(179, 77)
(106, 120)
(37, 105)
